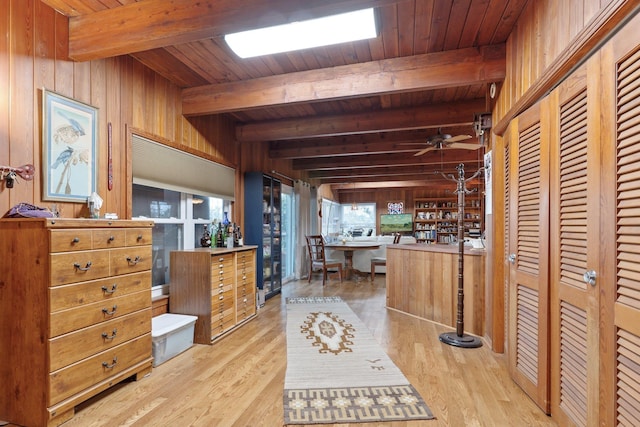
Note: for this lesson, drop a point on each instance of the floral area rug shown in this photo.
(337, 372)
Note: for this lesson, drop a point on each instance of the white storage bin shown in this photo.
(172, 334)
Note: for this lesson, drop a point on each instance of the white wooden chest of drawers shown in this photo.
(75, 313)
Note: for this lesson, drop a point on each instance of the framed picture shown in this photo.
(394, 208)
(68, 148)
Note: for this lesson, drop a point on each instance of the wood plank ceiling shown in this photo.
(343, 114)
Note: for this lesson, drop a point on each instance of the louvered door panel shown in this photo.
(575, 249)
(528, 269)
(628, 381)
(627, 298)
(573, 363)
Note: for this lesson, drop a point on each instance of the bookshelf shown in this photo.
(435, 220)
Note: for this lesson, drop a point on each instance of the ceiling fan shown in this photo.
(445, 141)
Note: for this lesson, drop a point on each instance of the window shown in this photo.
(331, 212)
(182, 193)
(360, 221)
(179, 220)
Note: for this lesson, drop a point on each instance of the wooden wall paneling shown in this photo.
(571, 34)
(44, 76)
(5, 22)
(113, 199)
(526, 32)
(63, 66)
(99, 100)
(34, 54)
(528, 283)
(63, 74)
(21, 95)
(82, 84)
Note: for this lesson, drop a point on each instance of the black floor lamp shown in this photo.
(459, 338)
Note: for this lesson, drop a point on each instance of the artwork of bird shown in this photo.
(68, 132)
(63, 157)
(74, 123)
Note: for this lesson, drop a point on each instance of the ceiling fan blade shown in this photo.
(426, 150)
(464, 146)
(458, 138)
(412, 143)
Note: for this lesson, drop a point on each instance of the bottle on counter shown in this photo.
(240, 239)
(220, 236)
(205, 240)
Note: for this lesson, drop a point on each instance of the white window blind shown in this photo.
(158, 165)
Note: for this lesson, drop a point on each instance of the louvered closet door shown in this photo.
(529, 257)
(575, 248)
(620, 283)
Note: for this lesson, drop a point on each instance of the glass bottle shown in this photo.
(214, 234)
(205, 240)
(220, 236)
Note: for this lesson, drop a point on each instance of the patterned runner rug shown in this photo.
(337, 372)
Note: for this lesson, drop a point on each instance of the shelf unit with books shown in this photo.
(435, 219)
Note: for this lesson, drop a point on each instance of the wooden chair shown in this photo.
(317, 259)
(382, 260)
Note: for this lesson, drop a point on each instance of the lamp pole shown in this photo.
(459, 338)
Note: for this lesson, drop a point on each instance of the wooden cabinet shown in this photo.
(75, 310)
(422, 280)
(436, 219)
(217, 285)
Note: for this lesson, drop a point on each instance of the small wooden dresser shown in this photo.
(75, 313)
(217, 285)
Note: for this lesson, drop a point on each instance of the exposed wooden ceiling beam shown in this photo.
(150, 24)
(388, 172)
(433, 158)
(411, 73)
(398, 182)
(436, 115)
(369, 143)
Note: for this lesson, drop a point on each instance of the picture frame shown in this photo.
(69, 148)
(395, 207)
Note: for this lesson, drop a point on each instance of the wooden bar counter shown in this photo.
(422, 280)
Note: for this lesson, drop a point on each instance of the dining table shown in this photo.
(348, 248)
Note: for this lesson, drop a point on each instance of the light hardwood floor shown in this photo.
(238, 381)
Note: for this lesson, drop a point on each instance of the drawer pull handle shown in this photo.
(139, 237)
(79, 267)
(133, 261)
(112, 238)
(110, 366)
(106, 336)
(76, 240)
(110, 291)
(220, 259)
(110, 313)
(221, 297)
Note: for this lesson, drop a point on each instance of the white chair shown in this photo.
(382, 260)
